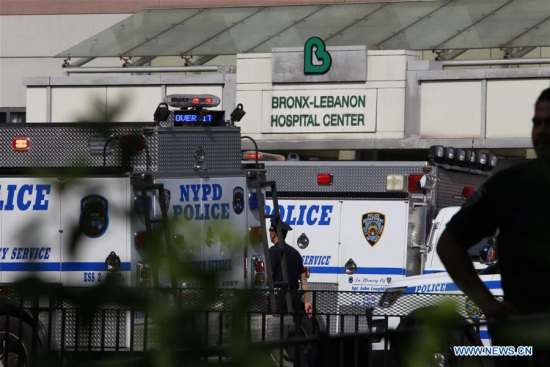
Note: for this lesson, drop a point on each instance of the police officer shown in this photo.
(516, 202)
(295, 268)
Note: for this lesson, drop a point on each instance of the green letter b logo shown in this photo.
(317, 60)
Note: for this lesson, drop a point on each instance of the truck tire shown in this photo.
(308, 327)
(16, 342)
(440, 355)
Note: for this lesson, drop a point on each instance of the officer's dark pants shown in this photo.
(298, 313)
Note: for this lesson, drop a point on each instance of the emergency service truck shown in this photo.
(81, 202)
(360, 226)
(407, 302)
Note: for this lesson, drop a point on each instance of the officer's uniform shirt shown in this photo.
(294, 265)
(516, 201)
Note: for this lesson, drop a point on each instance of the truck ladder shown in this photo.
(284, 285)
(164, 222)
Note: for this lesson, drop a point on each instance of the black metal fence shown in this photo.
(195, 327)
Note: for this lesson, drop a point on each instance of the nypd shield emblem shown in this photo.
(94, 215)
(373, 226)
(238, 200)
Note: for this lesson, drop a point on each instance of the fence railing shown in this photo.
(191, 327)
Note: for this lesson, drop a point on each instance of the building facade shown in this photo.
(375, 101)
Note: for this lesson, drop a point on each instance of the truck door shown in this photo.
(315, 234)
(433, 262)
(224, 229)
(97, 209)
(373, 244)
(184, 209)
(30, 223)
(210, 213)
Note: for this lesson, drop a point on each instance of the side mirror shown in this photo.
(487, 254)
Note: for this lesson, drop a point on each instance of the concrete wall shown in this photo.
(383, 89)
(30, 42)
(483, 108)
(115, 98)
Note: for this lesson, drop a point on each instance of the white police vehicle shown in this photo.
(360, 226)
(112, 185)
(407, 302)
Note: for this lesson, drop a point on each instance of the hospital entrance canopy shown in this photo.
(424, 25)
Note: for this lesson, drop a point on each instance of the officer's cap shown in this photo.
(284, 226)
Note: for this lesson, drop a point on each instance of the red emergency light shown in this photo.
(259, 266)
(413, 179)
(208, 100)
(195, 100)
(253, 155)
(21, 144)
(324, 179)
(133, 143)
(468, 191)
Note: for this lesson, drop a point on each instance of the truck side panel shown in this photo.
(63, 231)
(338, 231)
(318, 223)
(30, 222)
(99, 208)
(374, 239)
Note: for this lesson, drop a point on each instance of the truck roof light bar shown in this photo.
(192, 100)
(461, 157)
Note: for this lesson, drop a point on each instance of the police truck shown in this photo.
(82, 203)
(359, 226)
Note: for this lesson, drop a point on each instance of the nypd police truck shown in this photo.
(79, 202)
(360, 226)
